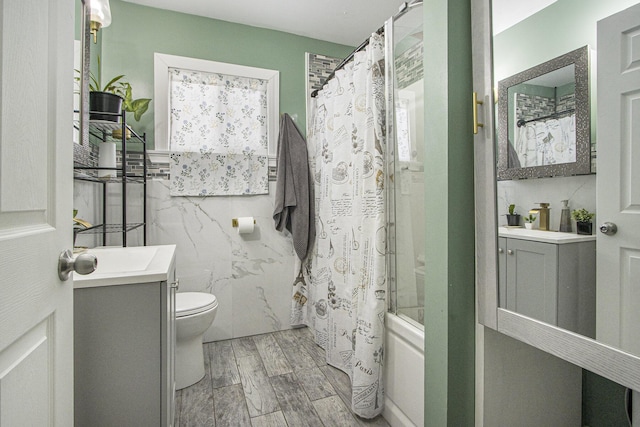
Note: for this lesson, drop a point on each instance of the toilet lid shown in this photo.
(188, 303)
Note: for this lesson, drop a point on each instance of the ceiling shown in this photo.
(347, 22)
(338, 21)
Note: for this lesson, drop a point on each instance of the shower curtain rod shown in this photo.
(523, 122)
(403, 9)
(345, 61)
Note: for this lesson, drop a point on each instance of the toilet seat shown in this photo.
(190, 303)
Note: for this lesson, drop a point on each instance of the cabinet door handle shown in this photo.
(500, 250)
(510, 252)
(476, 123)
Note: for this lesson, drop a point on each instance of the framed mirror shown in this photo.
(544, 119)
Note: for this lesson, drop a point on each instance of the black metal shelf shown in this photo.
(111, 228)
(92, 176)
(131, 143)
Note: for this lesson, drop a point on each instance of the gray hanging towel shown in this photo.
(294, 188)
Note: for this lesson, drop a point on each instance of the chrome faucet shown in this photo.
(543, 214)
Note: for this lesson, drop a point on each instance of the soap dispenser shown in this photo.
(565, 217)
(543, 215)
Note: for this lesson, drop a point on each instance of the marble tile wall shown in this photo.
(527, 193)
(250, 274)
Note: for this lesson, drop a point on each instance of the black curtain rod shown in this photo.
(523, 122)
(345, 61)
(401, 11)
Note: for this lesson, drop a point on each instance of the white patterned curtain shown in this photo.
(218, 134)
(343, 294)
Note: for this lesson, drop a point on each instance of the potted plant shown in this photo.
(528, 221)
(112, 98)
(583, 220)
(104, 100)
(513, 218)
(120, 89)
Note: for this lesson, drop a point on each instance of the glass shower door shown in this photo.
(406, 171)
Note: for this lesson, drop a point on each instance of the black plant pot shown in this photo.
(107, 103)
(584, 227)
(513, 219)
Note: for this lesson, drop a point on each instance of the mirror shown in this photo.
(543, 119)
(547, 275)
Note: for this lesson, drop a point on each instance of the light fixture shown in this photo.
(99, 16)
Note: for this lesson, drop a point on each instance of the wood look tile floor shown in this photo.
(279, 379)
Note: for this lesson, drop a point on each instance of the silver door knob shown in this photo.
(500, 250)
(609, 228)
(82, 264)
(510, 251)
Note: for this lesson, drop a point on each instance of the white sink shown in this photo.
(130, 265)
(121, 260)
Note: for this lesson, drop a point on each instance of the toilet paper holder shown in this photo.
(234, 222)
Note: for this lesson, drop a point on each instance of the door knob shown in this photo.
(510, 251)
(82, 264)
(609, 228)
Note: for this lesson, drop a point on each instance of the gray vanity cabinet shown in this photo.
(124, 345)
(551, 282)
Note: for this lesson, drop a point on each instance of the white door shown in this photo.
(36, 328)
(618, 180)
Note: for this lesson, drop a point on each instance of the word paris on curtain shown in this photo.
(218, 137)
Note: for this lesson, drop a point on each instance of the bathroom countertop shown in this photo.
(127, 266)
(543, 236)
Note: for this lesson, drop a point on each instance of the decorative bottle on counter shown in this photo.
(565, 217)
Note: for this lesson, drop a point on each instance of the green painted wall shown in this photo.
(137, 32)
(560, 28)
(449, 288)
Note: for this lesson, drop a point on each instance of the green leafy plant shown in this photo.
(531, 218)
(512, 209)
(121, 88)
(582, 215)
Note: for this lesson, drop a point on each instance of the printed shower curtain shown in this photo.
(547, 142)
(341, 295)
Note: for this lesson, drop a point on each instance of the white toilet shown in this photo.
(195, 312)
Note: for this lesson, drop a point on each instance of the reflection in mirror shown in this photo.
(550, 275)
(543, 112)
(543, 119)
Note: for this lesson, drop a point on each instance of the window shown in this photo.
(220, 123)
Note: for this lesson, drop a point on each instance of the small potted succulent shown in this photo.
(529, 220)
(513, 218)
(583, 220)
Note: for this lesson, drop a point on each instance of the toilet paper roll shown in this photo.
(245, 224)
(107, 159)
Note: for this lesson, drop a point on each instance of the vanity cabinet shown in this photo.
(124, 345)
(550, 277)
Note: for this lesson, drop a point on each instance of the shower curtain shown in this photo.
(547, 142)
(341, 293)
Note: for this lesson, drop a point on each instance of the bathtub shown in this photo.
(404, 372)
